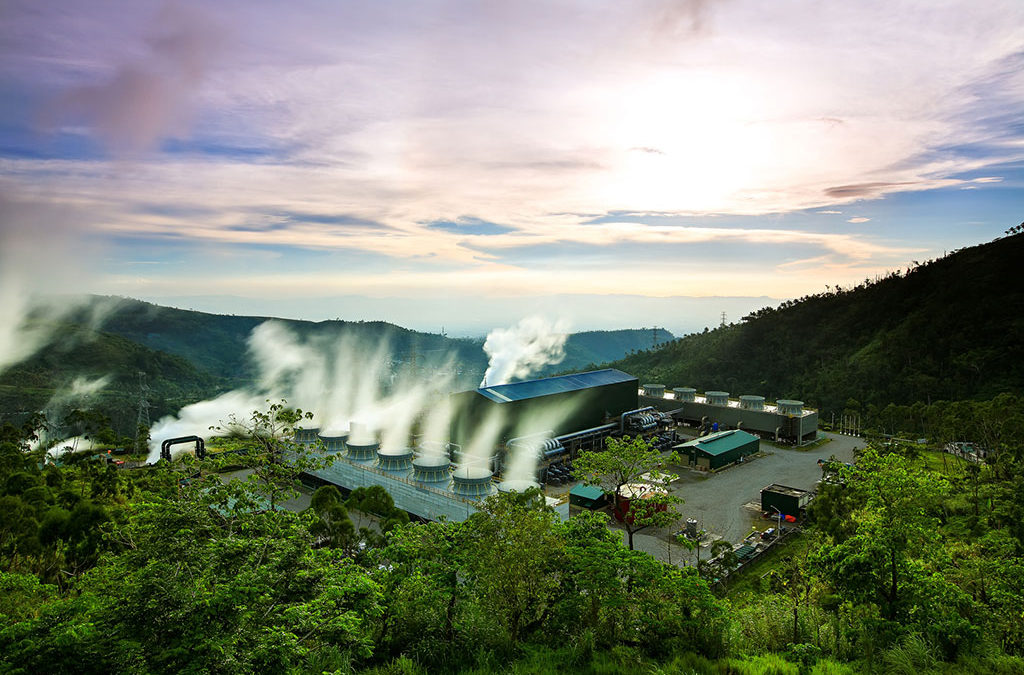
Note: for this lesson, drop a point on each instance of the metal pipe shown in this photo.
(623, 416)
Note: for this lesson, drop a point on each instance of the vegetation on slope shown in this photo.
(944, 330)
(910, 565)
(77, 352)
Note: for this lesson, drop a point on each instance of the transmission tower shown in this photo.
(723, 320)
(142, 419)
(654, 336)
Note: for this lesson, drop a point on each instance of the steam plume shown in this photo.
(523, 349)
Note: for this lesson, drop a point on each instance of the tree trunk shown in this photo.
(893, 585)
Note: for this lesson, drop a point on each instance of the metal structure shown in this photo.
(654, 390)
(581, 400)
(395, 460)
(784, 420)
(431, 469)
(165, 447)
(472, 481)
(332, 443)
(142, 418)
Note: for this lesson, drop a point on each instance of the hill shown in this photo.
(188, 356)
(949, 329)
(53, 377)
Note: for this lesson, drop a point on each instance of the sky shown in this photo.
(460, 165)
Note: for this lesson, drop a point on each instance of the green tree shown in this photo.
(275, 458)
(332, 523)
(623, 462)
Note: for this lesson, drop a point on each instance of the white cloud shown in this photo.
(522, 114)
(858, 219)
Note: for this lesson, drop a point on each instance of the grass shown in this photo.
(748, 580)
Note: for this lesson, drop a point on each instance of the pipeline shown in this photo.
(622, 418)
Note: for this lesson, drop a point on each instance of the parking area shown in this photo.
(718, 501)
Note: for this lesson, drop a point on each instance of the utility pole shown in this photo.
(142, 418)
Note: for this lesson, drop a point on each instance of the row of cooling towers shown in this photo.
(430, 463)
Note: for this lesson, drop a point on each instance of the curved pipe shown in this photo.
(623, 416)
(165, 447)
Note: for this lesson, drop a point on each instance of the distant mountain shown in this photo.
(188, 356)
(78, 353)
(949, 329)
(588, 349)
(217, 343)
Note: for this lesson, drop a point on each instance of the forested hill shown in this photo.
(216, 343)
(949, 329)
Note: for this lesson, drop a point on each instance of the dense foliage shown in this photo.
(943, 330)
(912, 564)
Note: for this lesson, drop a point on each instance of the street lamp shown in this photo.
(778, 532)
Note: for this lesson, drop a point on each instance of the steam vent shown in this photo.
(362, 452)
(431, 469)
(517, 485)
(394, 460)
(332, 442)
(307, 436)
(472, 481)
(685, 393)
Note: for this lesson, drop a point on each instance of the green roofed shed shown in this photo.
(720, 449)
(587, 497)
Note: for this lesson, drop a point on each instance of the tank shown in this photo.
(307, 436)
(717, 397)
(748, 402)
(395, 460)
(656, 390)
(333, 441)
(790, 407)
(517, 485)
(472, 481)
(362, 452)
(431, 469)
(691, 528)
(684, 393)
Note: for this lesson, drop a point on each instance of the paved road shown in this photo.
(717, 500)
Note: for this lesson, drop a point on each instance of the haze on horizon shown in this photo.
(453, 163)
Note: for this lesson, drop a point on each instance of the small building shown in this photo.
(589, 497)
(788, 501)
(720, 449)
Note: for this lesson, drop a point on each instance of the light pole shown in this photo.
(778, 531)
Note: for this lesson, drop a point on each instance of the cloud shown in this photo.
(858, 219)
(386, 124)
(147, 98)
(864, 190)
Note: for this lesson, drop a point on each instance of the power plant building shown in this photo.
(720, 449)
(784, 420)
(560, 405)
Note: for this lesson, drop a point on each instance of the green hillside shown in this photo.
(76, 351)
(583, 350)
(949, 329)
(216, 343)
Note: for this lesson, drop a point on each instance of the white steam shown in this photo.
(523, 349)
(342, 379)
(196, 419)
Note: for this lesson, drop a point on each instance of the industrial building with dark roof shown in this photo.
(560, 405)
